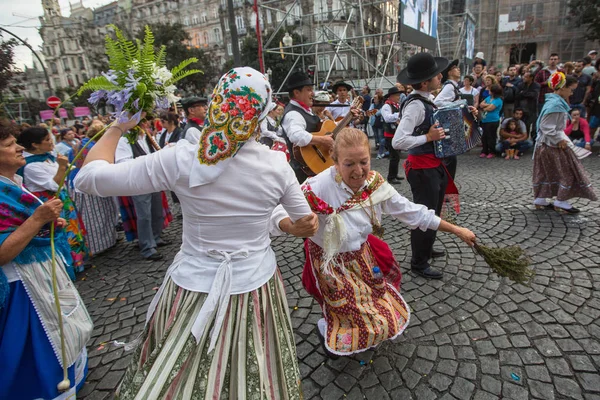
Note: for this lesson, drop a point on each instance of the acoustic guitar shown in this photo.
(316, 158)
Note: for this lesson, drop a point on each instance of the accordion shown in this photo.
(462, 131)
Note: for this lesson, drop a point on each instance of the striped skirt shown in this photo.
(254, 358)
(99, 216)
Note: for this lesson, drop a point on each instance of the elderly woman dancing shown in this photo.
(219, 325)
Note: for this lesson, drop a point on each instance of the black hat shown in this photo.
(188, 102)
(422, 67)
(341, 83)
(391, 91)
(453, 63)
(298, 80)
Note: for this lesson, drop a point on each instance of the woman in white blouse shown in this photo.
(219, 323)
(352, 273)
(41, 176)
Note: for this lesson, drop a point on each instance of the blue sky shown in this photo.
(21, 18)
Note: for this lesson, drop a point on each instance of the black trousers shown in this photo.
(428, 187)
(488, 139)
(394, 159)
(451, 163)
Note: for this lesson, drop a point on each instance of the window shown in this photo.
(226, 25)
(354, 62)
(341, 62)
(204, 17)
(197, 39)
(57, 83)
(77, 80)
(81, 63)
(206, 37)
(294, 15)
(269, 17)
(53, 68)
(324, 62)
(320, 10)
(216, 13)
(61, 45)
(195, 20)
(186, 21)
(229, 49)
(239, 22)
(217, 34)
(65, 62)
(73, 63)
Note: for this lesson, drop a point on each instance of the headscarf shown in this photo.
(240, 101)
(557, 80)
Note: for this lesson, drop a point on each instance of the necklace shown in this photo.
(376, 227)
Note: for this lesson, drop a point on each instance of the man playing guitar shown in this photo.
(298, 121)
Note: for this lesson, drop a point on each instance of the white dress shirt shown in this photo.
(473, 91)
(294, 126)
(552, 129)
(125, 152)
(388, 115)
(39, 176)
(413, 115)
(193, 135)
(338, 112)
(447, 95)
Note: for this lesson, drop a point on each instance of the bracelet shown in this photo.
(117, 127)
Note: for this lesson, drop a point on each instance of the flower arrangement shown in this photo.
(138, 80)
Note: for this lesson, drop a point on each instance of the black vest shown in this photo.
(190, 124)
(424, 127)
(390, 128)
(138, 150)
(313, 124)
(175, 136)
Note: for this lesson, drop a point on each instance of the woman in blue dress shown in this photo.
(31, 357)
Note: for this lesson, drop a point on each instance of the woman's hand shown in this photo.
(562, 144)
(466, 236)
(130, 124)
(304, 227)
(63, 162)
(61, 222)
(48, 212)
(588, 147)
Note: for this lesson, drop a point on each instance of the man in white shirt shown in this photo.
(299, 122)
(148, 207)
(390, 114)
(342, 90)
(416, 132)
(195, 111)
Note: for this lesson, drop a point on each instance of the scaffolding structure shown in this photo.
(364, 31)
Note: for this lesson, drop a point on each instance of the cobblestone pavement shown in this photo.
(472, 335)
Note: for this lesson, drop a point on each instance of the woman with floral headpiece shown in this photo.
(349, 269)
(557, 170)
(219, 324)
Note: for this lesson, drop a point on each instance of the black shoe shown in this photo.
(164, 243)
(400, 178)
(155, 257)
(394, 181)
(327, 352)
(429, 273)
(119, 227)
(437, 253)
(571, 210)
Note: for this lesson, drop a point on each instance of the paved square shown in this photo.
(472, 335)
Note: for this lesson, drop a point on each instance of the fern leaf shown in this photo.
(181, 75)
(183, 64)
(161, 57)
(97, 83)
(147, 53)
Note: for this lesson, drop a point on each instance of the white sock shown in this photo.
(322, 326)
(541, 201)
(563, 204)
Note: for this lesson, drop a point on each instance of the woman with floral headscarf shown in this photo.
(219, 324)
(557, 170)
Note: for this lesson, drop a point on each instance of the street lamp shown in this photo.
(287, 40)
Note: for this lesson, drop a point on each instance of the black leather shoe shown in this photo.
(571, 210)
(401, 178)
(437, 253)
(429, 273)
(164, 243)
(155, 257)
(394, 181)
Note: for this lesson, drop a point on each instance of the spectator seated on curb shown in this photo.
(522, 142)
(578, 130)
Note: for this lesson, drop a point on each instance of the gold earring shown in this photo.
(338, 178)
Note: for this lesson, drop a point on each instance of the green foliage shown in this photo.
(586, 13)
(510, 262)
(97, 83)
(8, 72)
